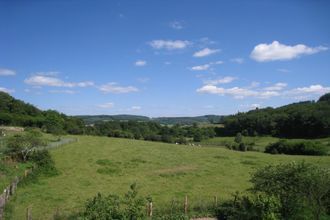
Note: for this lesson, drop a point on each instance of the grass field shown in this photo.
(164, 171)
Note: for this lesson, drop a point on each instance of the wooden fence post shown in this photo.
(149, 209)
(186, 205)
(29, 213)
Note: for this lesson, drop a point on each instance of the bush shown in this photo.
(131, 206)
(296, 148)
(303, 189)
(258, 207)
(44, 162)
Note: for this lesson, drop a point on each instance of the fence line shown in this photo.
(11, 189)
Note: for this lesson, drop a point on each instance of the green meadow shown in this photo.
(162, 171)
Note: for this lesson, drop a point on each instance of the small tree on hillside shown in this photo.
(238, 138)
(21, 145)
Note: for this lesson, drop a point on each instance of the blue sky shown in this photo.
(164, 58)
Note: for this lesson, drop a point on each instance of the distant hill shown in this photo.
(92, 119)
(206, 119)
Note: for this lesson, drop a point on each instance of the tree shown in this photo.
(21, 145)
(238, 138)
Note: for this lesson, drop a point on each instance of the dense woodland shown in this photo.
(299, 120)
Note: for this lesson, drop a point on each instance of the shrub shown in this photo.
(303, 189)
(296, 148)
(131, 206)
(257, 207)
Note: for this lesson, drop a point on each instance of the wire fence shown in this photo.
(11, 188)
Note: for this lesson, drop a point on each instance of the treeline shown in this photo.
(151, 131)
(205, 119)
(299, 120)
(18, 113)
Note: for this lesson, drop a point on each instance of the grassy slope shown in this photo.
(163, 171)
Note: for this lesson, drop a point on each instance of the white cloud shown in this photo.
(276, 87)
(7, 72)
(63, 91)
(169, 44)
(312, 90)
(224, 80)
(2, 89)
(140, 63)
(254, 84)
(178, 25)
(278, 51)
(200, 67)
(205, 52)
(167, 63)
(237, 60)
(205, 66)
(107, 105)
(43, 80)
(115, 88)
(236, 92)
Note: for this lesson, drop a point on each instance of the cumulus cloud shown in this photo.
(205, 52)
(236, 92)
(115, 88)
(278, 51)
(140, 63)
(107, 105)
(66, 91)
(169, 44)
(178, 25)
(310, 90)
(3, 89)
(7, 72)
(200, 67)
(223, 80)
(276, 87)
(205, 66)
(44, 80)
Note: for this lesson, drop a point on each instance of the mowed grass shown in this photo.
(163, 171)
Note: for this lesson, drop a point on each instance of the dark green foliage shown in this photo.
(17, 113)
(44, 162)
(130, 207)
(258, 207)
(298, 120)
(43, 165)
(325, 98)
(303, 190)
(238, 138)
(92, 119)
(151, 131)
(20, 146)
(296, 148)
